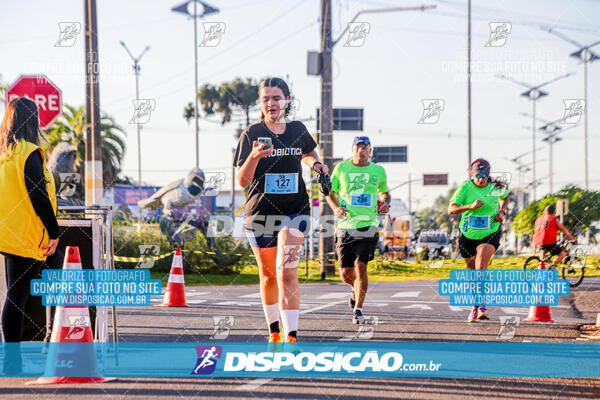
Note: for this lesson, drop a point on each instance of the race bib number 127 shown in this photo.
(281, 183)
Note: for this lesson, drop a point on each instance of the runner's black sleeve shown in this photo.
(35, 181)
(308, 142)
(244, 148)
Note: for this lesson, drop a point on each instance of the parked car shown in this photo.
(436, 242)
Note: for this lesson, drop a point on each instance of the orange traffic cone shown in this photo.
(540, 313)
(175, 294)
(72, 343)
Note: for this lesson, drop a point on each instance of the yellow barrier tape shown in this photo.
(141, 259)
(160, 257)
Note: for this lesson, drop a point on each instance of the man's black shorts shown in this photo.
(554, 248)
(356, 244)
(468, 247)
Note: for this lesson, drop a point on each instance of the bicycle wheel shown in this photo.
(573, 271)
(532, 262)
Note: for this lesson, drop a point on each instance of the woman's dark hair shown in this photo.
(279, 83)
(21, 122)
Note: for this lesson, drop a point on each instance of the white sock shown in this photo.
(289, 318)
(358, 308)
(271, 312)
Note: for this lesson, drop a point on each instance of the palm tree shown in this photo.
(238, 96)
(70, 127)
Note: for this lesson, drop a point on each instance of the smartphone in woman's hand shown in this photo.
(266, 140)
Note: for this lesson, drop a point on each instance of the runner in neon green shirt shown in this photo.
(358, 191)
(482, 203)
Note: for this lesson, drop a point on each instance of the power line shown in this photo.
(211, 58)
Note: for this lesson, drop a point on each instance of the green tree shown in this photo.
(230, 97)
(70, 127)
(583, 210)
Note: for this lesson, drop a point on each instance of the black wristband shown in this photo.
(315, 163)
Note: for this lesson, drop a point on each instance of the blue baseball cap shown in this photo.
(361, 139)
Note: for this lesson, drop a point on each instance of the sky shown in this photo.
(406, 57)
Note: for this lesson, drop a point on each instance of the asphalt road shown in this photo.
(397, 311)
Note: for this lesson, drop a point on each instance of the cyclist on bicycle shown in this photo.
(546, 228)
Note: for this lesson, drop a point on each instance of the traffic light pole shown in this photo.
(93, 139)
(327, 267)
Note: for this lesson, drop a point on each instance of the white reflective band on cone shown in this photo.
(176, 278)
(79, 314)
(69, 265)
(177, 262)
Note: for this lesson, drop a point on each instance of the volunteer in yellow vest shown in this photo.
(28, 226)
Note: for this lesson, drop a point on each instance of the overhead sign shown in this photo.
(43, 92)
(390, 154)
(345, 119)
(435, 179)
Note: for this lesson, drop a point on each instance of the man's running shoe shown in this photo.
(352, 300)
(473, 315)
(482, 313)
(358, 317)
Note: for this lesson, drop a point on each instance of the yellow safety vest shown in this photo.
(22, 232)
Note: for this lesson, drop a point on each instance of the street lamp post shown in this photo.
(586, 56)
(136, 71)
(326, 112)
(534, 93)
(551, 130)
(184, 9)
(409, 183)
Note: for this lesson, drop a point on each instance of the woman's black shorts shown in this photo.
(468, 247)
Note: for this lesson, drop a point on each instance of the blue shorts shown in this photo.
(265, 236)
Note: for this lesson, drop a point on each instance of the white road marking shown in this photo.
(334, 295)
(421, 306)
(253, 384)
(407, 294)
(323, 306)
(515, 310)
(191, 294)
(251, 296)
(196, 301)
(236, 303)
(459, 308)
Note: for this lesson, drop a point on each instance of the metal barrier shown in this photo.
(92, 228)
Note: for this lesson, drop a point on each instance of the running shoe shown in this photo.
(482, 313)
(291, 339)
(358, 317)
(274, 337)
(275, 340)
(473, 315)
(352, 300)
(291, 345)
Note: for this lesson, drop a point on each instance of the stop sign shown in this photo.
(43, 92)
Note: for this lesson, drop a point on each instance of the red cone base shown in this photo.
(73, 379)
(540, 314)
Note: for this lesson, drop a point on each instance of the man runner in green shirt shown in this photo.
(358, 191)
